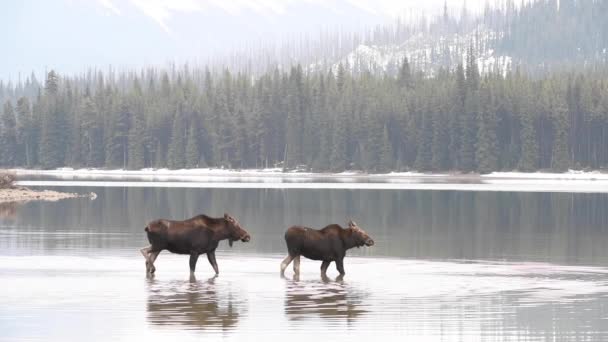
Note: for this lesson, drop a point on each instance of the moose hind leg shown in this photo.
(145, 252)
(286, 263)
(340, 266)
(213, 262)
(296, 264)
(151, 259)
(324, 266)
(193, 260)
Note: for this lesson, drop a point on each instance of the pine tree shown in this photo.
(159, 156)
(486, 149)
(469, 132)
(53, 140)
(193, 156)
(52, 83)
(456, 121)
(293, 148)
(560, 154)
(339, 140)
(472, 72)
(137, 142)
(386, 154)
(177, 148)
(242, 141)
(27, 137)
(92, 140)
(118, 137)
(323, 159)
(486, 154)
(223, 138)
(260, 134)
(529, 145)
(372, 130)
(441, 139)
(425, 142)
(8, 136)
(404, 79)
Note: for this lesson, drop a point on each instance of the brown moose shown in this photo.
(327, 244)
(198, 235)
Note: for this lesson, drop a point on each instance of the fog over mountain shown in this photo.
(71, 36)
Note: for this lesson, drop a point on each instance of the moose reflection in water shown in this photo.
(195, 236)
(8, 210)
(327, 244)
(326, 299)
(193, 304)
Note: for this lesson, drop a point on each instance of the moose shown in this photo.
(198, 235)
(327, 244)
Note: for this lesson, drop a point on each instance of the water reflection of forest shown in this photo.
(556, 227)
(193, 304)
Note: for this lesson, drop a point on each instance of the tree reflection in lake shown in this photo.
(512, 226)
(194, 304)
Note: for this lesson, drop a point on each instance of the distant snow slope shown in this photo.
(427, 52)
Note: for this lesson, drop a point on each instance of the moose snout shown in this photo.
(369, 242)
(246, 238)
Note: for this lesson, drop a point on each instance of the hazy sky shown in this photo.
(71, 35)
(162, 11)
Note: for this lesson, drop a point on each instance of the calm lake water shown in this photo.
(446, 266)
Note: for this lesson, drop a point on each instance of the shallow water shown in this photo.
(110, 298)
(447, 266)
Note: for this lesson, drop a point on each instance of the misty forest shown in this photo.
(437, 114)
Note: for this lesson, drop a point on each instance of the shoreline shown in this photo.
(570, 182)
(24, 195)
(198, 174)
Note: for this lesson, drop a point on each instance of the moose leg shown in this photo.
(286, 263)
(193, 260)
(151, 259)
(213, 262)
(145, 252)
(296, 264)
(324, 267)
(340, 266)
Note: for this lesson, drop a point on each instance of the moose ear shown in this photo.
(352, 223)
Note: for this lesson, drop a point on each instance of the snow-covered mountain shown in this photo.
(75, 36)
(538, 36)
(426, 52)
(72, 36)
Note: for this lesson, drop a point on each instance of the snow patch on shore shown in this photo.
(211, 173)
(570, 175)
(185, 174)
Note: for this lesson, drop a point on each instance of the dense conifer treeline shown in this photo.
(399, 118)
(454, 121)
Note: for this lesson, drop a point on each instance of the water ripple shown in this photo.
(61, 297)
